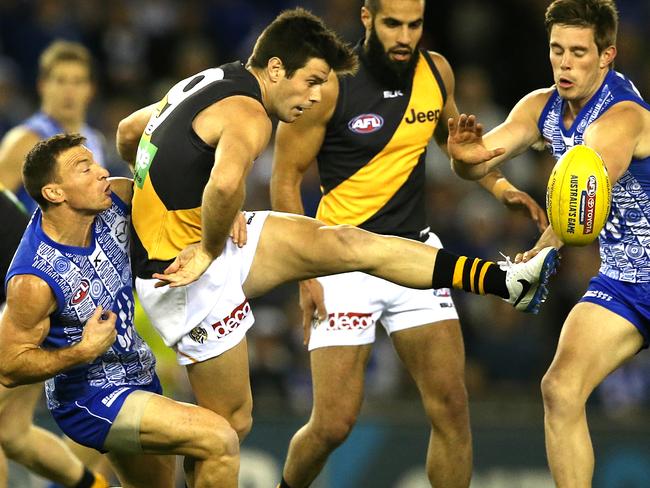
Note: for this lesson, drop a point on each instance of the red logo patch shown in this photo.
(81, 293)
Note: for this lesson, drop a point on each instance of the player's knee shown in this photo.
(559, 395)
(348, 242)
(224, 441)
(218, 438)
(242, 422)
(333, 431)
(449, 406)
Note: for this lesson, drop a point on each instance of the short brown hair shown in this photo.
(39, 168)
(296, 36)
(60, 51)
(599, 14)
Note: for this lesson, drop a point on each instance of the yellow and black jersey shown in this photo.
(173, 166)
(371, 163)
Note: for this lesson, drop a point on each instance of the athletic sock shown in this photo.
(469, 274)
(86, 480)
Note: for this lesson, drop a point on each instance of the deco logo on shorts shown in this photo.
(228, 324)
(349, 321)
(366, 123)
(198, 334)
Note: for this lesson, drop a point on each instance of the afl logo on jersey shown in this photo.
(366, 123)
(81, 292)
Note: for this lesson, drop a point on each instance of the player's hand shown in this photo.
(548, 238)
(465, 141)
(521, 201)
(238, 231)
(98, 334)
(188, 266)
(312, 303)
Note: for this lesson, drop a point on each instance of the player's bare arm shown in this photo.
(450, 110)
(26, 323)
(494, 182)
(296, 147)
(240, 129)
(474, 155)
(129, 132)
(13, 149)
(123, 188)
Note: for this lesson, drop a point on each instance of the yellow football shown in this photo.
(578, 196)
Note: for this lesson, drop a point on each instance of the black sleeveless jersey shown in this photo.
(371, 163)
(173, 166)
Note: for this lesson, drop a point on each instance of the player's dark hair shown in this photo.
(40, 169)
(295, 37)
(599, 14)
(373, 6)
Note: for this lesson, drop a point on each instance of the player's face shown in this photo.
(67, 91)
(398, 27)
(83, 182)
(578, 68)
(302, 90)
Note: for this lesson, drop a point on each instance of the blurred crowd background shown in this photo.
(498, 50)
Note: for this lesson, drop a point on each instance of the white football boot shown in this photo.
(527, 282)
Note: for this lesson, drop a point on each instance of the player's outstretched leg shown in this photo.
(294, 247)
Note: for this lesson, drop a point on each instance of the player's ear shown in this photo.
(275, 68)
(53, 193)
(366, 18)
(607, 56)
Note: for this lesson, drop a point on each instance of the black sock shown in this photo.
(86, 480)
(469, 274)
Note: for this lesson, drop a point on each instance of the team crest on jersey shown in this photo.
(366, 123)
(81, 292)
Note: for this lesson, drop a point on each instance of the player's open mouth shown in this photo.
(565, 83)
(401, 55)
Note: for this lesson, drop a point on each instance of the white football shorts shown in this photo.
(356, 301)
(211, 315)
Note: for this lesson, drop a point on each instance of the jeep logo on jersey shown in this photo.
(428, 116)
(366, 123)
(81, 293)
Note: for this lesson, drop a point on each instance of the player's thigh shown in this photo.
(433, 354)
(594, 342)
(222, 383)
(165, 426)
(144, 470)
(338, 374)
(17, 407)
(294, 247)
